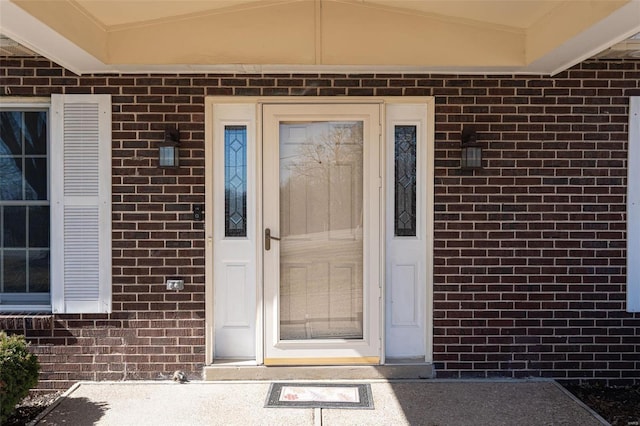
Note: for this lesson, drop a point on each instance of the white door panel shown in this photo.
(234, 226)
(407, 232)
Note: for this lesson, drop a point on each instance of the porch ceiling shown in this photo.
(458, 36)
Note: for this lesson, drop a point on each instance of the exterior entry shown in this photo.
(321, 197)
(307, 232)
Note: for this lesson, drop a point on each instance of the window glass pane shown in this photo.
(14, 226)
(11, 133)
(405, 178)
(11, 178)
(35, 132)
(38, 271)
(235, 181)
(321, 294)
(14, 267)
(24, 229)
(36, 178)
(39, 226)
(23, 136)
(11, 151)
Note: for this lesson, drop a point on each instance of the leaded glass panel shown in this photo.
(235, 181)
(405, 181)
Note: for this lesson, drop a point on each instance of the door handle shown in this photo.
(267, 239)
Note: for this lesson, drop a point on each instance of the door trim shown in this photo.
(255, 102)
(363, 360)
(369, 345)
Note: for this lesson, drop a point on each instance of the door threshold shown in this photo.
(405, 361)
(245, 371)
(234, 361)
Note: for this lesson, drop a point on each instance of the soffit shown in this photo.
(144, 11)
(514, 13)
(491, 36)
(518, 14)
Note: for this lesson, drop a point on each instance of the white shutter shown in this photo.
(81, 203)
(633, 208)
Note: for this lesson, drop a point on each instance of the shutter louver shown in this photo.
(81, 211)
(81, 253)
(81, 156)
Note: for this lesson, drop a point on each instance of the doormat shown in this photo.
(320, 395)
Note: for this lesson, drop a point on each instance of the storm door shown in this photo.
(321, 233)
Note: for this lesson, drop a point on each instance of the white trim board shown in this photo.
(633, 208)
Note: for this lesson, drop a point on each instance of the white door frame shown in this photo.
(253, 105)
(325, 351)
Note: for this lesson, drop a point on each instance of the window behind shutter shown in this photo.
(80, 203)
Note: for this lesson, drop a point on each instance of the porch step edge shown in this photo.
(352, 372)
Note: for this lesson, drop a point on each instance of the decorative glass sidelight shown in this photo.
(405, 181)
(235, 181)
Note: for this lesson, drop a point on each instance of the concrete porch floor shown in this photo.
(397, 402)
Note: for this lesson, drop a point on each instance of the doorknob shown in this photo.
(268, 238)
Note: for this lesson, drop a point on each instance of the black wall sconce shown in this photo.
(168, 152)
(471, 151)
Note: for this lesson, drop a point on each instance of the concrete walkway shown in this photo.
(423, 402)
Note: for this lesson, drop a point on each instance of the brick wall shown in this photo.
(529, 251)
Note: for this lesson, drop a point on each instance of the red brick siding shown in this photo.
(529, 251)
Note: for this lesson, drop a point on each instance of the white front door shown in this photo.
(322, 234)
